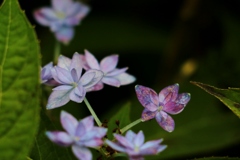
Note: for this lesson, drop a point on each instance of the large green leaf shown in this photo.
(122, 116)
(43, 148)
(230, 97)
(19, 82)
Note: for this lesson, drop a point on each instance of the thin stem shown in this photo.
(124, 129)
(99, 123)
(56, 52)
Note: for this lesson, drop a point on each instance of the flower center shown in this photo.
(76, 138)
(60, 15)
(160, 108)
(136, 148)
(74, 84)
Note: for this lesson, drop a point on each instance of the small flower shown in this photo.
(46, 75)
(79, 135)
(61, 18)
(133, 145)
(112, 75)
(168, 101)
(71, 85)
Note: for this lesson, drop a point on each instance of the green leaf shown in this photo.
(230, 97)
(19, 82)
(122, 116)
(43, 148)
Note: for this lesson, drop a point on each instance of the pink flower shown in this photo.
(158, 106)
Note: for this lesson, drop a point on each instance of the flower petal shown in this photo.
(45, 16)
(130, 135)
(62, 87)
(64, 62)
(69, 123)
(169, 93)
(147, 97)
(75, 13)
(84, 62)
(61, 5)
(147, 115)
(91, 60)
(93, 80)
(125, 78)
(123, 141)
(82, 153)
(183, 98)
(115, 146)
(64, 34)
(165, 121)
(111, 81)
(139, 139)
(109, 63)
(116, 72)
(63, 75)
(46, 73)
(76, 64)
(96, 87)
(95, 142)
(58, 99)
(173, 108)
(150, 144)
(60, 138)
(78, 94)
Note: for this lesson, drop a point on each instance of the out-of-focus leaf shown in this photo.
(217, 158)
(19, 82)
(230, 97)
(122, 116)
(43, 148)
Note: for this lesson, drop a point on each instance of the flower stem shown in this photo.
(99, 123)
(124, 129)
(56, 52)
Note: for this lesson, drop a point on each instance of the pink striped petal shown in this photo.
(147, 115)
(116, 72)
(64, 34)
(82, 153)
(147, 97)
(169, 93)
(45, 16)
(64, 62)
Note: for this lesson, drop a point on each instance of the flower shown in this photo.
(71, 85)
(133, 145)
(61, 18)
(46, 75)
(79, 135)
(168, 101)
(112, 75)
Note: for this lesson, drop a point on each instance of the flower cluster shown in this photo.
(72, 85)
(61, 18)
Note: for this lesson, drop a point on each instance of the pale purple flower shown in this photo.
(79, 135)
(72, 86)
(158, 106)
(133, 145)
(112, 75)
(61, 18)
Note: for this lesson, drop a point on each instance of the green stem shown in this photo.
(124, 129)
(56, 52)
(92, 112)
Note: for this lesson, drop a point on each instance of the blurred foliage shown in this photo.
(162, 43)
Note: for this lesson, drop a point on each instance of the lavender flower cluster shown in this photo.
(71, 83)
